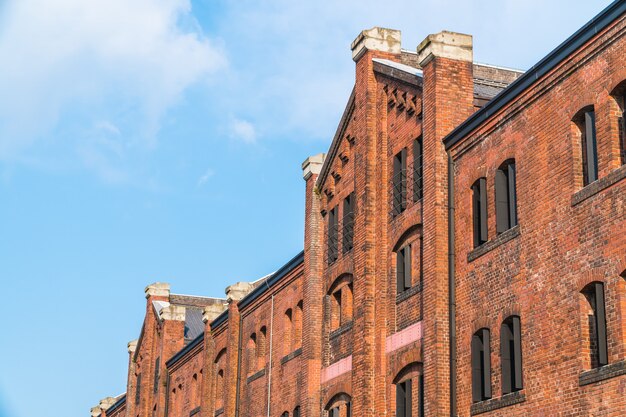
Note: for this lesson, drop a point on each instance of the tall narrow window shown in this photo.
(288, 336)
(349, 409)
(506, 198)
(262, 347)
(285, 414)
(403, 269)
(404, 396)
(481, 366)
(332, 236)
(157, 370)
(399, 182)
(479, 211)
(348, 223)
(296, 412)
(334, 412)
(511, 355)
(219, 390)
(420, 398)
(297, 325)
(587, 124)
(597, 335)
(418, 170)
(138, 389)
(252, 359)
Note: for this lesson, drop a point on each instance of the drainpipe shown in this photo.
(451, 287)
(269, 372)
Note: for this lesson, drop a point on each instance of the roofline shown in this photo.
(177, 356)
(530, 77)
(117, 404)
(334, 145)
(500, 67)
(272, 280)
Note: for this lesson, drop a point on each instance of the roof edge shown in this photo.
(181, 353)
(537, 71)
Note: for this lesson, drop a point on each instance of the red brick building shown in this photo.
(464, 253)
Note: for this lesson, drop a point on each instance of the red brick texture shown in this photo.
(336, 330)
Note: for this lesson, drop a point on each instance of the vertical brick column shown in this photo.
(446, 60)
(234, 293)
(150, 348)
(313, 293)
(207, 400)
(368, 374)
(130, 385)
(172, 340)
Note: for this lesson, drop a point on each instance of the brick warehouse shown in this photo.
(464, 253)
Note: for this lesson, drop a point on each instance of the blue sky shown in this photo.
(161, 140)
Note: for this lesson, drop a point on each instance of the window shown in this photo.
(288, 331)
(138, 389)
(399, 182)
(403, 269)
(348, 223)
(586, 121)
(595, 333)
(332, 236)
(340, 299)
(262, 347)
(481, 366)
(296, 412)
(506, 198)
(157, 370)
(285, 414)
(511, 355)
(418, 174)
(349, 409)
(252, 359)
(297, 325)
(335, 320)
(334, 412)
(404, 396)
(479, 211)
(219, 390)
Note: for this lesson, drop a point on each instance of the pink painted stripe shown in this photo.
(336, 369)
(404, 337)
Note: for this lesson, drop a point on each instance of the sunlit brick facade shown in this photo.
(464, 253)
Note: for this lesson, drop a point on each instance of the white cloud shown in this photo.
(243, 130)
(68, 63)
(208, 174)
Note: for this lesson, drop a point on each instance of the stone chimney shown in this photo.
(158, 290)
(376, 39)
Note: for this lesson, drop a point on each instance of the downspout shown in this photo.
(451, 287)
(269, 372)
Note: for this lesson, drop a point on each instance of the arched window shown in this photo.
(340, 296)
(252, 359)
(619, 94)
(511, 355)
(288, 331)
(481, 365)
(506, 197)
(585, 119)
(297, 325)
(594, 325)
(262, 347)
(479, 211)
(409, 385)
(193, 390)
(340, 405)
(219, 390)
(285, 414)
(296, 412)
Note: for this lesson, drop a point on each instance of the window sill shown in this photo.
(603, 373)
(406, 294)
(599, 185)
(497, 403)
(490, 245)
(219, 411)
(291, 356)
(256, 376)
(341, 330)
(194, 411)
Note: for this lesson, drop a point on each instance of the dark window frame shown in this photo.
(506, 196)
(511, 355)
(481, 365)
(333, 238)
(479, 211)
(404, 398)
(157, 371)
(622, 129)
(399, 183)
(348, 224)
(404, 266)
(138, 389)
(418, 169)
(589, 146)
(595, 294)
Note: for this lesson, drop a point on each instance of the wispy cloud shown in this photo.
(69, 63)
(208, 174)
(243, 130)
